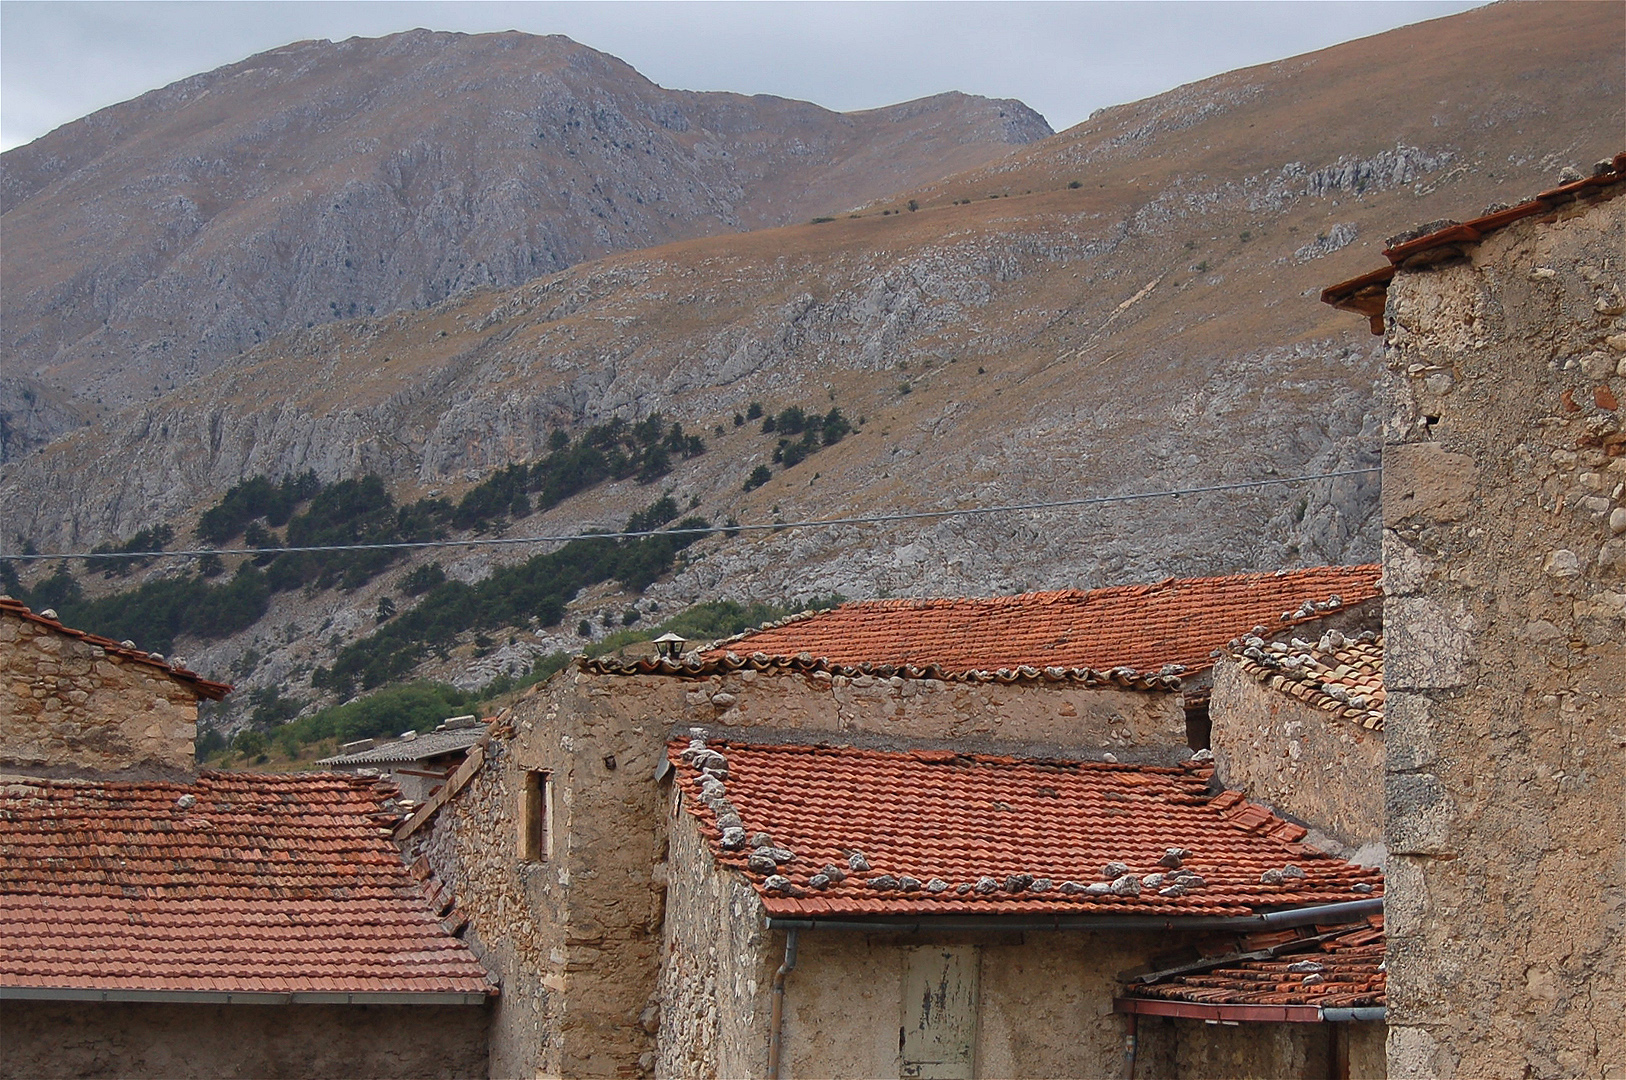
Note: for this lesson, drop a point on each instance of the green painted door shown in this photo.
(939, 1035)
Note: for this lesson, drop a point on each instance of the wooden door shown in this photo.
(939, 1032)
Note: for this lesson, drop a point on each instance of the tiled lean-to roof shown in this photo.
(421, 747)
(126, 649)
(241, 884)
(1442, 241)
(1298, 971)
(1343, 676)
(1167, 627)
(824, 831)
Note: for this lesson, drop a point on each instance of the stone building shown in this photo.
(72, 702)
(163, 923)
(581, 876)
(1505, 626)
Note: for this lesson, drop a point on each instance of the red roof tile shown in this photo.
(1144, 627)
(1341, 676)
(201, 686)
(981, 823)
(264, 881)
(1332, 967)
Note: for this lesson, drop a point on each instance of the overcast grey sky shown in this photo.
(62, 60)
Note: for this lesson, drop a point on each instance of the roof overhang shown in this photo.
(1368, 294)
(918, 924)
(229, 997)
(1247, 1014)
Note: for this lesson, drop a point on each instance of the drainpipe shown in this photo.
(1131, 1044)
(776, 1022)
(1367, 1013)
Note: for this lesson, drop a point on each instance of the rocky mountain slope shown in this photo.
(323, 181)
(1128, 306)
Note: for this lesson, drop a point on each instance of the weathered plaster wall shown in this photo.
(69, 707)
(1303, 762)
(1045, 1002)
(581, 968)
(716, 983)
(1505, 568)
(1171, 1048)
(180, 1042)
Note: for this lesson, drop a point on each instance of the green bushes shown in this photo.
(815, 432)
(417, 706)
(538, 588)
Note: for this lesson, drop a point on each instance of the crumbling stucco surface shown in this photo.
(182, 1042)
(577, 941)
(1303, 762)
(1505, 624)
(70, 707)
(1171, 1049)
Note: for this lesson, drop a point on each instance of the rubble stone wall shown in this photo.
(1505, 621)
(71, 708)
(1303, 762)
(203, 1042)
(472, 847)
(716, 983)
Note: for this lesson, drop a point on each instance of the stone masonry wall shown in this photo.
(1505, 620)
(1303, 762)
(716, 983)
(581, 968)
(70, 708)
(472, 846)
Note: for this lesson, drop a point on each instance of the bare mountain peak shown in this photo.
(323, 180)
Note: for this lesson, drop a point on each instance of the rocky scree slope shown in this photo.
(322, 181)
(1128, 306)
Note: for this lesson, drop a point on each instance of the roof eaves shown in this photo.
(203, 687)
(1367, 294)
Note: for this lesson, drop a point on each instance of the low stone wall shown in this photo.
(70, 708)
(1301, 761)
(180, 1042)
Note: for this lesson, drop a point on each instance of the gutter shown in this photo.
(1346, 911)
(217, 997)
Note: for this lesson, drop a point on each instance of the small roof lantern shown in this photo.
(670, 645)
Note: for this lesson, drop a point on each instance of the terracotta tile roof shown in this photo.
(1442, 240)
(245, 883)
(1004, 835)
(47, 618)
(1325, 966)
(1148, 628)
(1343, 676)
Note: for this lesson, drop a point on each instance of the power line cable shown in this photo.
(776, 526)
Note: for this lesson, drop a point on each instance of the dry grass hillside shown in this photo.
(323, 181)
(1130, 305)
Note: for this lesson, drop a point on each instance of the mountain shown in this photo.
(155, 239)
(1128, 306)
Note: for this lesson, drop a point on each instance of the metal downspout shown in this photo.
(1131, 1045)
(776, 1022)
